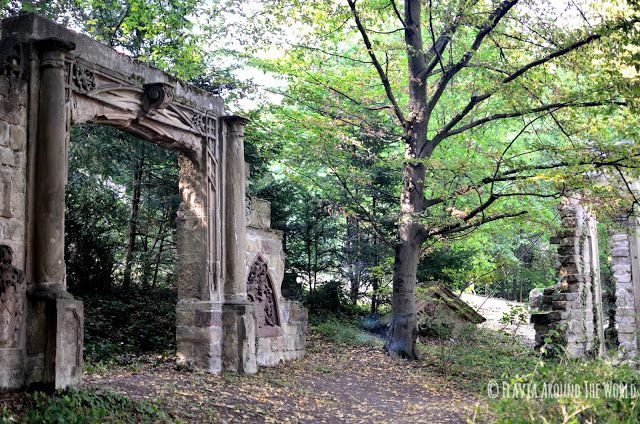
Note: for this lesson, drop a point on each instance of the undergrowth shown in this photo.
(571, 391)
(343, 332)
(135, 322)
(478, 356)
(82, 407)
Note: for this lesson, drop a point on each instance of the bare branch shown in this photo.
(494, 18)
(458, 227)
(543, 108)
(376, 63)
(397, 12)
(476, 100)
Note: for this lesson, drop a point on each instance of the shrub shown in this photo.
(588, 407)
(135, 323)
(82, 407)
(345, 333)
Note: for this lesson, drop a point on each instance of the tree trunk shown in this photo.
(403, 328)
(157, 264)
(138, 165)
(352, 258)
(403, 331)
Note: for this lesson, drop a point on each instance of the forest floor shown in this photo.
(332, 384)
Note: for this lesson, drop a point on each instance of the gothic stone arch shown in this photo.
(262, 294)
(52, 78)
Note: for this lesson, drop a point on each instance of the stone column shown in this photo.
(51, 166)
(238, 315)
(55, 319)
(235, 221)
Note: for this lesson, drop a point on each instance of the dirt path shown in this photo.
(330, 385)
(493, 309)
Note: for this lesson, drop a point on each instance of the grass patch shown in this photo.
(346, 333)
(478, 356)
(82, 407)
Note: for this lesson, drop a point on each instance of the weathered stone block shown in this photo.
(239, 348)
(17, 139)
(185, 318)
(560, 305)
(12, 368)
(4, 134)
(208, 319)
(546, 317)
(7, 157)
(625, 327)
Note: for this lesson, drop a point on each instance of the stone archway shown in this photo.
(52, 78)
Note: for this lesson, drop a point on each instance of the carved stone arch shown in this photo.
(261, 292)
(148, 112)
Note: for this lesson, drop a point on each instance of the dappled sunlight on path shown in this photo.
(331, 385)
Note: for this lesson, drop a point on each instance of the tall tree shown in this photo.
(491, 110)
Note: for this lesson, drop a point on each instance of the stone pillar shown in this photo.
(573, 307)
(238, 315)
(56, 320)
(198, 312)
(51, 167)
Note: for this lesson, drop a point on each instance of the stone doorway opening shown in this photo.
(121, 206)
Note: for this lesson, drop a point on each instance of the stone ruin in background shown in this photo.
(573, 308)
(52, 78)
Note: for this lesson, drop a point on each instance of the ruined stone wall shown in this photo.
(13, 175)
(286, 339)
(624, 263)
(573, 307)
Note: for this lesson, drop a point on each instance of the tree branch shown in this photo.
(456, 228)
(376, 63)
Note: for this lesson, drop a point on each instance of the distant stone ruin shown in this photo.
(52, 78)
(573, 308)
(440, 309)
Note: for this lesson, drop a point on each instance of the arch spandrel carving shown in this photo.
(152, 110)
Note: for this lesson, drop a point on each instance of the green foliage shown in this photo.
(590, 407)
(342, 332)
(99, 203)
(90, 407)
(436, 329)
(93, 215)
(553, 344)
(140, 321)
(516, 315)
(328, 298)
(478, 356)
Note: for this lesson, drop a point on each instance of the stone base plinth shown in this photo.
(291, 344)
(199, 334)
(54, 339)
(239, 333)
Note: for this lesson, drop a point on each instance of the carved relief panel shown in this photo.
(12, 289)
(260, 292)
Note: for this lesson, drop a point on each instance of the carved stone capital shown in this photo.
(235, 123)
(53, 44)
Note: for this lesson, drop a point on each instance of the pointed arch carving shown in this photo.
(261, 293)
